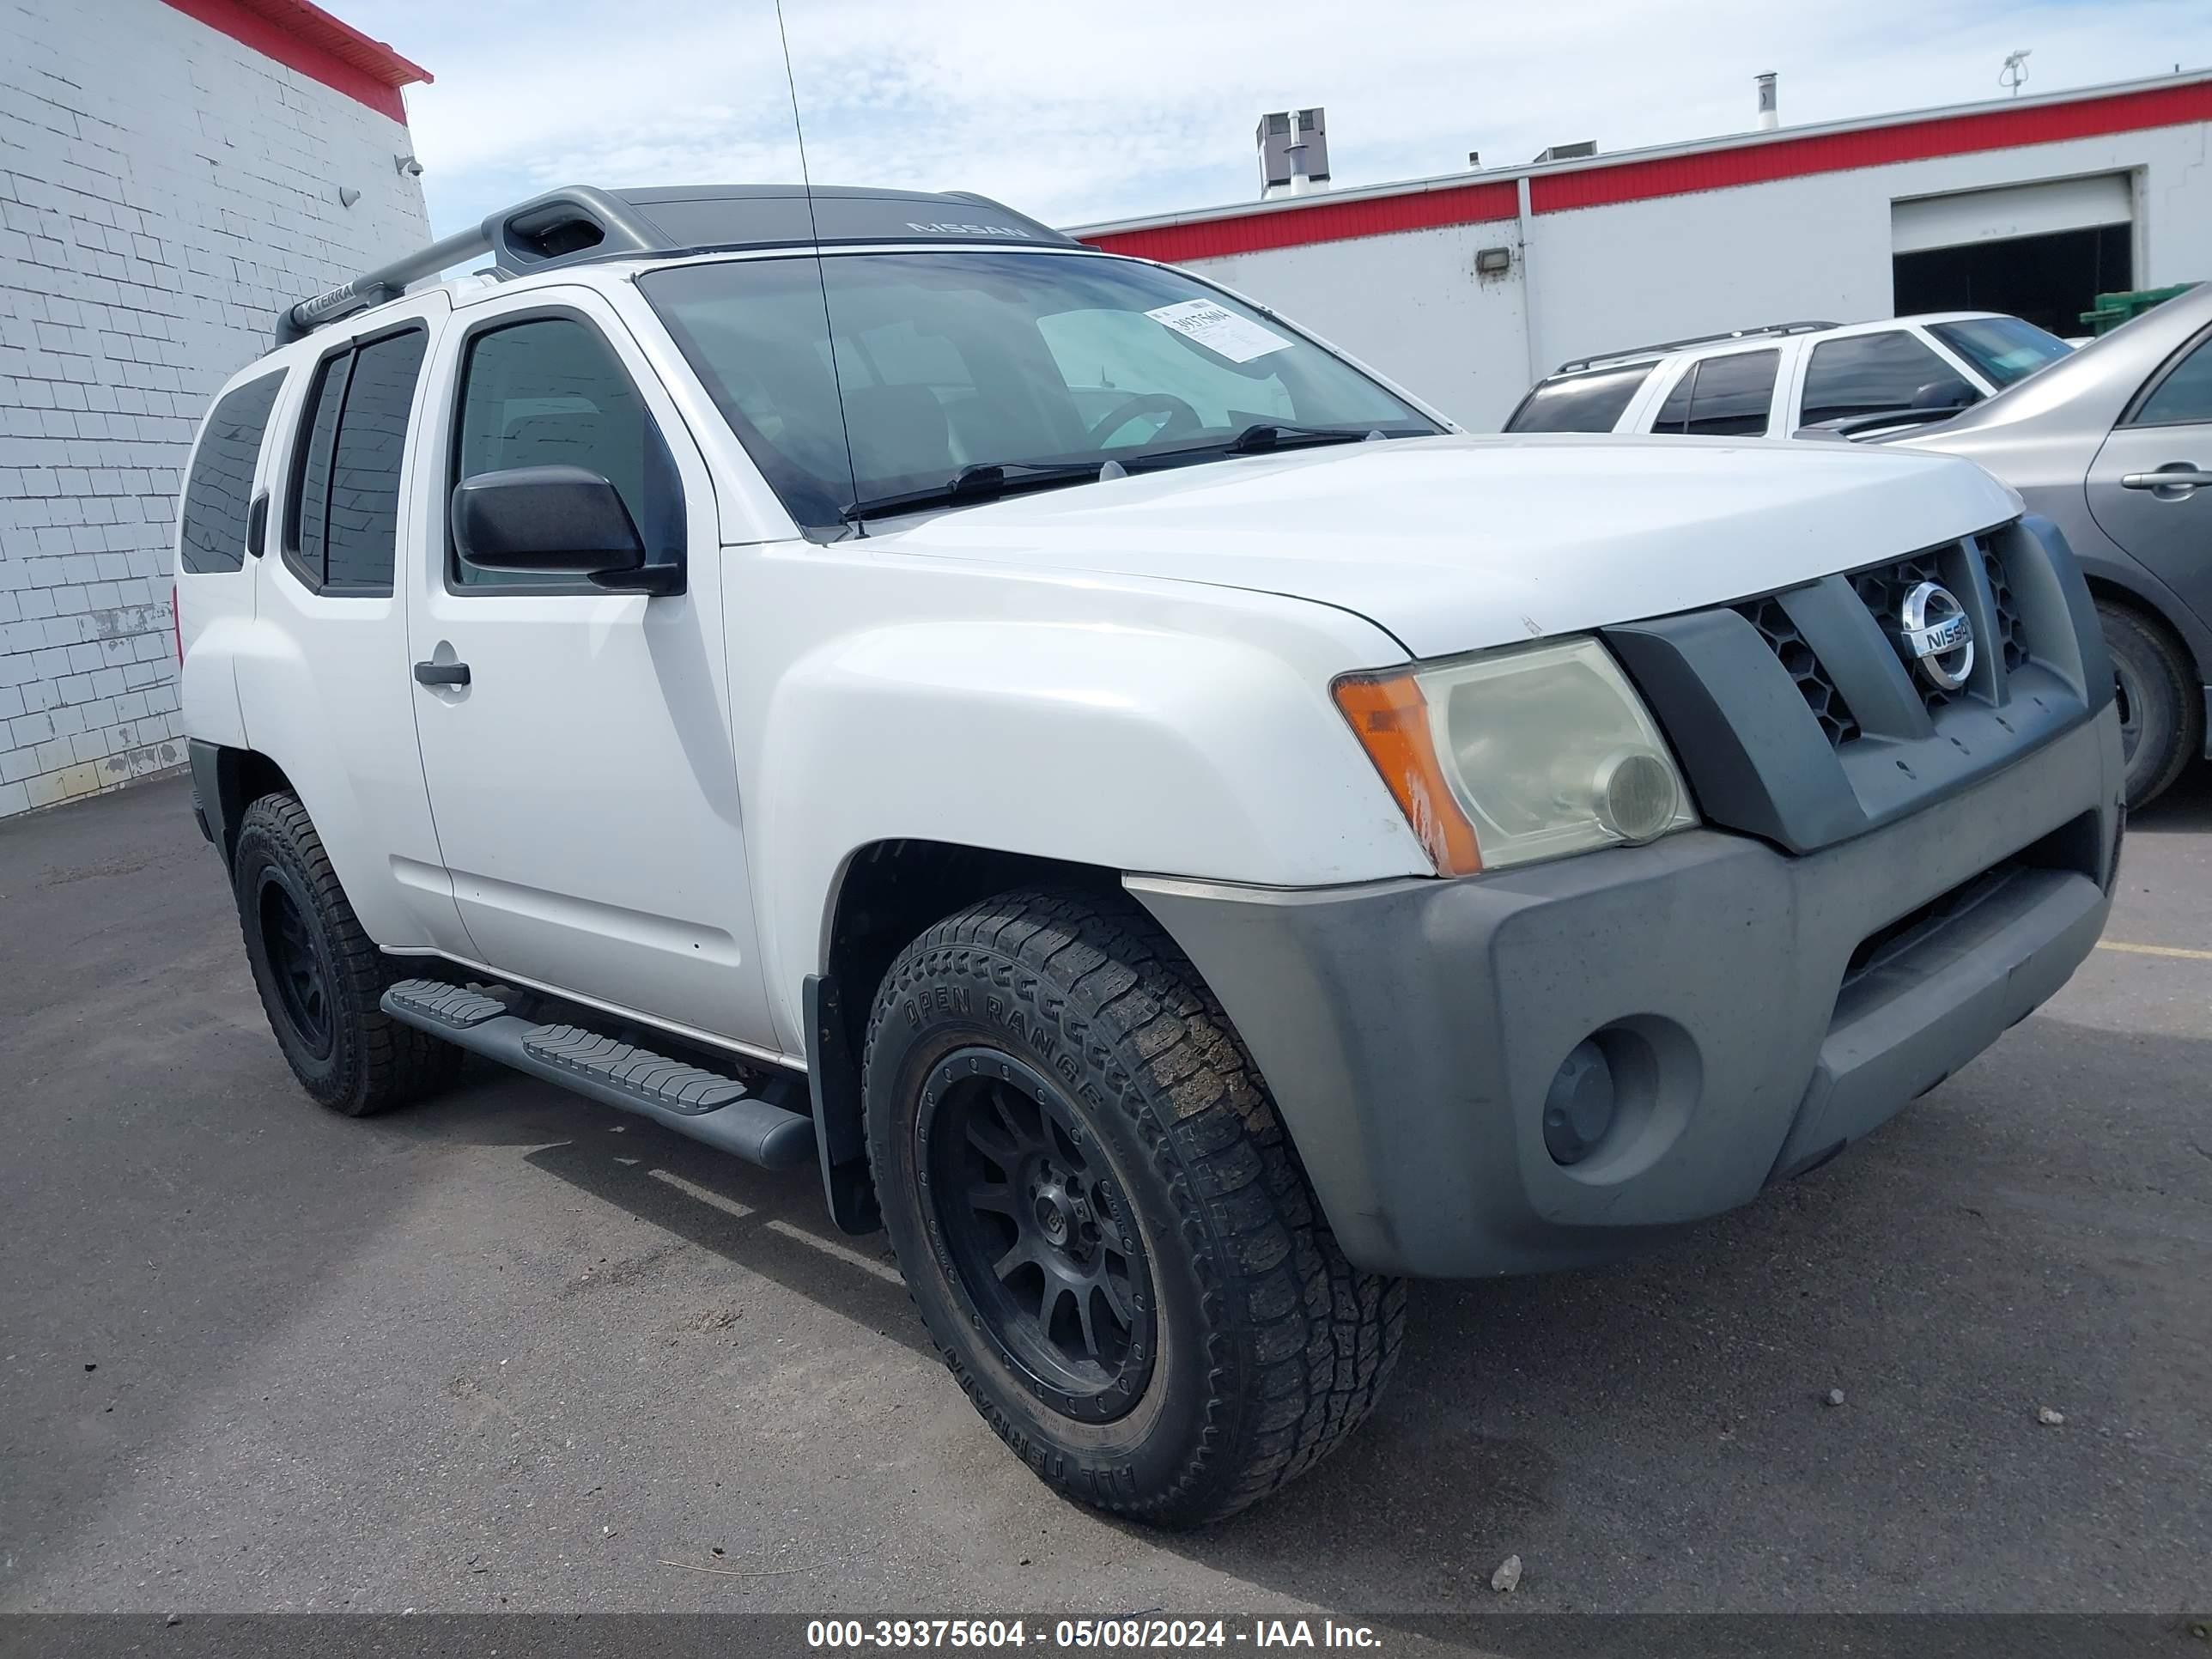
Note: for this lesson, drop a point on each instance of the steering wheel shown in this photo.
(1180, 416)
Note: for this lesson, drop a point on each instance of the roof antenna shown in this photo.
(2013, 76)
(829, 332)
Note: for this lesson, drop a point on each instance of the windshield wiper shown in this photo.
(1262, 436)
(1272, 434)
(983, 481)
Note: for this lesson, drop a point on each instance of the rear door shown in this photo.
(2150, 487)
(325, 686)
(584, 784)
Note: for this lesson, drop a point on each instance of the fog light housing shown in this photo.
(1580, 1105)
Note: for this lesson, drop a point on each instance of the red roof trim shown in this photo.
(1873, 147)
(1325, 222)
(305, 38)
(1755, 162)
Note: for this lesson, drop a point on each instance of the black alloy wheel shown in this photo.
(1042, 1241)
(301, 976)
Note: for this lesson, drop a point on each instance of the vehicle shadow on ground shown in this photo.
(770, 1223)
(2184, 809)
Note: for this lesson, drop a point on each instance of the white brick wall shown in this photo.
(163, 189)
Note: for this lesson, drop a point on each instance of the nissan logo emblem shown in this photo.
(1937, 636)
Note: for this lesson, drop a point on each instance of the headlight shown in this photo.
(1530, 752)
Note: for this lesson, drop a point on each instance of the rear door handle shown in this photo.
(2167, 477)
(441, 673)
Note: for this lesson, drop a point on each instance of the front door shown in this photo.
(581, 777)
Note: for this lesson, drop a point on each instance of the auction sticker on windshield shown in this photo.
(1219, 329)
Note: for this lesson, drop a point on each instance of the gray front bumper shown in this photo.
(1410, 1029)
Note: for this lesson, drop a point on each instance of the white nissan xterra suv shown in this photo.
(1174, 832)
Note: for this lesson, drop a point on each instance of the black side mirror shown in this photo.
(555, 520)
(1949, 392)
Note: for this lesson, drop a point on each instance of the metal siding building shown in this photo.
(171, 171)
(2109, 186)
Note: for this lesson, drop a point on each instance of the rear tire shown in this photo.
(1100, 1218)
(2161, 704)
(320, 977)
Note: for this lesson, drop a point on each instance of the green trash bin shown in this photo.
(2113, 309)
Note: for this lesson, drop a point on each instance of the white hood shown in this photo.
(1455, 544)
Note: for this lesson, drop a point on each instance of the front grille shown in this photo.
(2009, 639)
(1821, 695)
(1882, 590)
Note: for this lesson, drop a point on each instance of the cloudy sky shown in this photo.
(1081, 112)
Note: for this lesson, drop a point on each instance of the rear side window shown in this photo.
(342, 528)
(1868, 374)
(219, 494)
(2184, 398)
(1579, 403)
(1725, 397)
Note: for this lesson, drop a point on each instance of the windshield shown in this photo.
(981, 359)
(2005, 349)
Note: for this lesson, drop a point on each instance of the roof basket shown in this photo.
(1576, 365)
(582, 222)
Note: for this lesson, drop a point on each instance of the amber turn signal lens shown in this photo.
(1390, 718)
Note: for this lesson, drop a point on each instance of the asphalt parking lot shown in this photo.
(509, 1351)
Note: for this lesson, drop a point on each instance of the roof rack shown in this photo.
(579, 223)
(1576, 365)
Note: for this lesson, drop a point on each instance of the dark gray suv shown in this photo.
(2114, 443)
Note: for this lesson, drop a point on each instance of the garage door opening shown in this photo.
(2042, 251)
(2048, 280)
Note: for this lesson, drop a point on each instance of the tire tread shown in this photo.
(1280, 1303)
(395, 1064)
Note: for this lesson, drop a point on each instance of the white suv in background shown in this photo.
(1773, 381)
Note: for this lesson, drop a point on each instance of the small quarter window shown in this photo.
(219, 494)
(2184, 398)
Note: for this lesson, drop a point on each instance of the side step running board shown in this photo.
(692, 1101)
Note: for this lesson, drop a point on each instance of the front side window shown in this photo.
(1869, 374)
(978, 359)
(549, 392)
(1725, 397)
(342, 528)
(218, 495)
(2004, 349)
(2184, 398)
(1580, 403)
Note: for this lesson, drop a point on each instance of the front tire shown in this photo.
(2161, 706)
(1104, 1225)
(321, 978)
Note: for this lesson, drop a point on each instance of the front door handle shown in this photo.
(2179, 477)
(441, 673)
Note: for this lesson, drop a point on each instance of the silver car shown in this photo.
(2114, 442)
